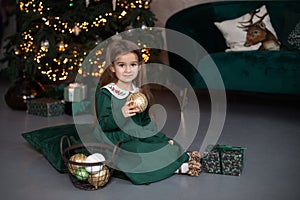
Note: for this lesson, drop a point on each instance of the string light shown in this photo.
(63, 26)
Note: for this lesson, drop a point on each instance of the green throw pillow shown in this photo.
(47, 141)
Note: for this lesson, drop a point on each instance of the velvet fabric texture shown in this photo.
(258, 71)
(47, 142)
(251, 71)
(146, 155)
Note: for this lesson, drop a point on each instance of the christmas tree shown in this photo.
(54, 36)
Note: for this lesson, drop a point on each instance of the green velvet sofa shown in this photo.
(260, 71)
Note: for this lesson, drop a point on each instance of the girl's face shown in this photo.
(126, 68)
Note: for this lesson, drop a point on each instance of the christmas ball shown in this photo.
(79, 158)
(45, 45)
(139, 100)
(81, 173)
(100, 178)
(94, 158)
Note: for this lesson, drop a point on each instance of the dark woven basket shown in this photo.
(94, 181)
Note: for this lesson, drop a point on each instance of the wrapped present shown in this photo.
(75, 92)
(211, 162)
(45, 107)
(223, 159)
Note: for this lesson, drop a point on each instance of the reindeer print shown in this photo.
(258, 32)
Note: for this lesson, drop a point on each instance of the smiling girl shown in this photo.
(148, 155)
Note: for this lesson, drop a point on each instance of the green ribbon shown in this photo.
(227, 148)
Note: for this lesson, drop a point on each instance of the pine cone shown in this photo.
(194, 155)
(194, 168)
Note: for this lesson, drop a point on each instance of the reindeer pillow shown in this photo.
(235, 31)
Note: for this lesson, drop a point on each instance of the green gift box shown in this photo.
(223, 159)
(45, 107)
(75, 92)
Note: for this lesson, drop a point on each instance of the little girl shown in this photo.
(148, 155)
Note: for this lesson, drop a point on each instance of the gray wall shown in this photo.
(163, 9)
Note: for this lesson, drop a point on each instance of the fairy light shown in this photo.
(63, 26)
(146, 54)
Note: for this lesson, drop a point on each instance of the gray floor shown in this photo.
(267, 126)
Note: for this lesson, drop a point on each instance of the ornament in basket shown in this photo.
(87, 165)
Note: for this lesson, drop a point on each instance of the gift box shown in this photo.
(45, 107)
(75, 92)
(223, 159)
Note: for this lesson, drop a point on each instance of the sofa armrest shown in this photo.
(197, 23)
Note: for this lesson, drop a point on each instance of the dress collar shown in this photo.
(118, 92)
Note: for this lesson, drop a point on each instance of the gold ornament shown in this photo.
(100, 178)
(79, 158)
(139, 100)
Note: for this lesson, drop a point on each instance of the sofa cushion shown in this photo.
(260, 71)
(250, 71)
(235, 34)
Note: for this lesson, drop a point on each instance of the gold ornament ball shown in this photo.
(79, 158)
(139, 100)
(99, 179)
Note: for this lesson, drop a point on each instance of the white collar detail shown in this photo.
(118, 92)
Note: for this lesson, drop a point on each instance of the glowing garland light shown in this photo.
(63, 26)
(57, 24)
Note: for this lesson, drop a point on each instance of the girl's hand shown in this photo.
(129, 109)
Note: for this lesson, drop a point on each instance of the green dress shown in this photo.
(146, 156)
